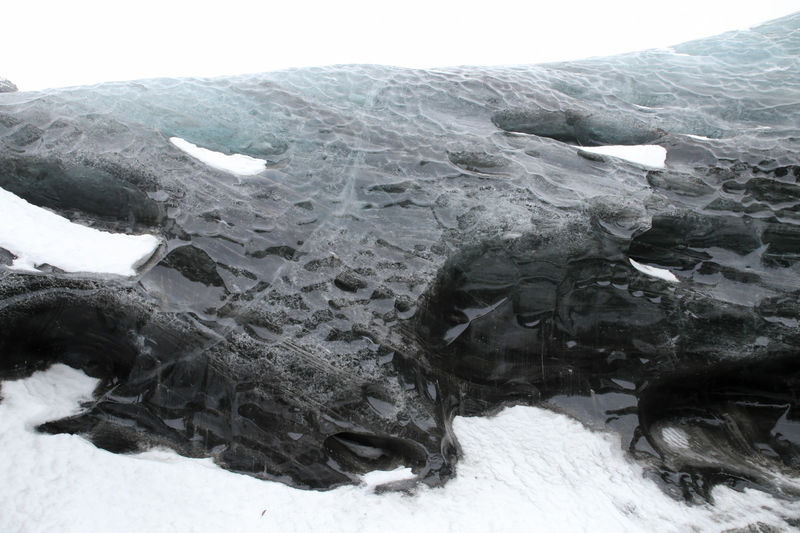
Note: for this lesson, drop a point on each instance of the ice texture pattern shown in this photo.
(425, 244)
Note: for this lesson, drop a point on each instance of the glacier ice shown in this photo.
(412, 245)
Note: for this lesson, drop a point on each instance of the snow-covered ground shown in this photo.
(37, 236)
(525, 469)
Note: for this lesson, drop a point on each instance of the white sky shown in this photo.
(57, 43)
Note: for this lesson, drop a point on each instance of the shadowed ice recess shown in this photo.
(351, 256)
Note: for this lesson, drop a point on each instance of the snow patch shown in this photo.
(660, 273)
(380, 477)
(648, 155)
(552, 472)
(37, 236)
(238, 164)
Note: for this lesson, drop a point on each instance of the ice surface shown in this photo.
(524, 469)
(420, 245)
(242, 165)
(36, 236)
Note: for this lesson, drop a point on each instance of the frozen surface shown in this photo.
(37, 237)
(239, 164)
(421, 246)
(526, 469)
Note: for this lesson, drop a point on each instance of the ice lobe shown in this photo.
(37, 237)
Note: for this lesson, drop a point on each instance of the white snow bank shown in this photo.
(648, 155)
(239, 164)
(526, 469)
(660, 273)
(36, 236)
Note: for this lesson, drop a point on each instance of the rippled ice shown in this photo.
(421, 244)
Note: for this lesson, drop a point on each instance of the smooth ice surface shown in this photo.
(526, 469)
(649, 155)
(242, 165)
(37, 236)
(661, 273)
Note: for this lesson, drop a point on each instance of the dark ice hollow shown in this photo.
(423, 244)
